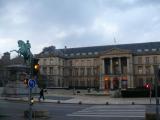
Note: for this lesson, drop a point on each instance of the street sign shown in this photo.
(31, 83)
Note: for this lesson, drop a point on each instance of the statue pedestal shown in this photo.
(15, 86)
(18, 88)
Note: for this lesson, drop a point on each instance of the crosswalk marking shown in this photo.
(134, 111)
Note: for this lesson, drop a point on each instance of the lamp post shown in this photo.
(150, 92)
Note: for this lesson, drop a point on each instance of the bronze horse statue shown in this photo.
(24, 50)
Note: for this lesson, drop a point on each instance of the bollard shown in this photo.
(58, 101)
(107, 103)
(37, 114)
(80, 102)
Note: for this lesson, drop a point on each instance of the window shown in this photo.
(155, 59)
(140, 82)
(66, 54)
(95, 71)
(58, 60)
(95, 62)
(45, 70)
(88, 71)
(59, 82)
(76, 83)
(148, 69)
(139, 60)
(75, 71)
(140, 69)
(44, 61)
(82, 71)
(82, 83)
(82, 62)
(70, 72)
(51, 61)
(51, 70)
(147, 60)
(55, 70)
(76, 62)
(70, 63)
(63, 62)
(89, 62)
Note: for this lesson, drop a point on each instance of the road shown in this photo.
(14, 110)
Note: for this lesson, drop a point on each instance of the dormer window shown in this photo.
(95, 53)
(154, 49)
(146, 50)
(71, 54)
(83, 53)
(139, 50)
(77, 53)
(89, 53)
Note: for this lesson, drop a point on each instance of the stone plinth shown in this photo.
(18, 88)
(37, 113)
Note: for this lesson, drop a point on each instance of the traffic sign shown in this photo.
(31, 83)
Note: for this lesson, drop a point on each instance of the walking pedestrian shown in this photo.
(41, 94)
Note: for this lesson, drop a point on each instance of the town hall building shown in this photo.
(105, 67)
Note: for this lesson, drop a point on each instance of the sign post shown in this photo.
(31, 85)
(30, 107)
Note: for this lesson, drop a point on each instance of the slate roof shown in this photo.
(146, 48)
(132, 47)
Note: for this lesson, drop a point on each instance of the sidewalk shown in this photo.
(66, 96)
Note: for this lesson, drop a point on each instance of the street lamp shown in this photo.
(157, 77)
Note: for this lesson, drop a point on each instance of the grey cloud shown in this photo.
(61, 22)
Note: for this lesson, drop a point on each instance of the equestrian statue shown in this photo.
(24, 50)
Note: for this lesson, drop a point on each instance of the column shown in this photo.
(111, 72)
(129, 72)
(120, 67)
(111, 83)
(103, 67)
(120, 71)
(101, 74)
(111, 66)
(120, 82)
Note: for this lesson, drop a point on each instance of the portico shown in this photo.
(116, 69)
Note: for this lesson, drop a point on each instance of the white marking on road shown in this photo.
(140, 116)
(112, 111)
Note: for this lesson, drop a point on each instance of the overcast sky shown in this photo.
(76, 23)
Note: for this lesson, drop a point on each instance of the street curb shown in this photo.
(78, 102)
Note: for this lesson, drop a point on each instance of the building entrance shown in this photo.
(107, 84)
(115, 83)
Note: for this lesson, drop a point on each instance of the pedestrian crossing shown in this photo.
(119, 111)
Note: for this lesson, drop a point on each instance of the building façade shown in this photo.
(104, 67)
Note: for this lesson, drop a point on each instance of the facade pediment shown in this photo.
(116, 51)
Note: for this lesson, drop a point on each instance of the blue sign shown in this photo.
(31, 83)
